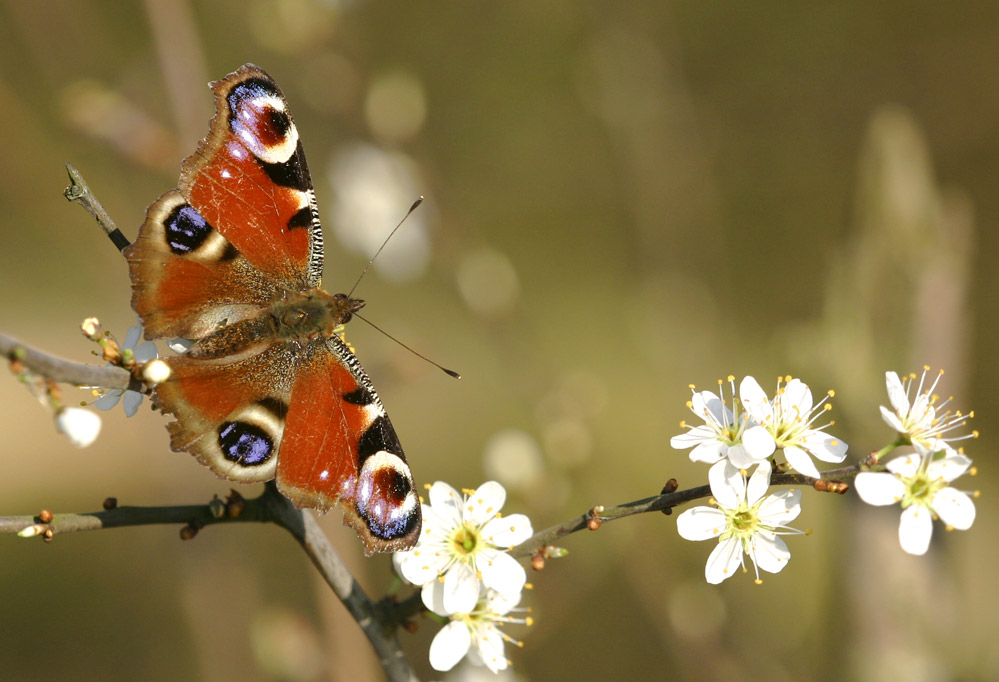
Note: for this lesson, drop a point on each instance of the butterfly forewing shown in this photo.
(250, 180)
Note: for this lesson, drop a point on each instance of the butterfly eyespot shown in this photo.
(385, 496)
(279, 123)
(186, 230)
(258, 120)
(245, 444)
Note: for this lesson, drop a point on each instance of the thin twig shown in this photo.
(61, 370)
(79, 192)
(661, 502)
(413, 605)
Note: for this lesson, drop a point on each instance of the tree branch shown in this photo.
(61, 370)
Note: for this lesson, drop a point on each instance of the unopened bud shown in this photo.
(79, 425)
(155, 372)
(217, 507)
(234, 504)
(91, 328)
(32, 530)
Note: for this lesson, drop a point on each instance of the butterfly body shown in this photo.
(232, 260)
(298, 318)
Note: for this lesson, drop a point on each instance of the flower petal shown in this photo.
(727, 484)
(796, 400)
(700, 523)
(905, 467)
(508, 531)
(770, 552)
(954, 508)
(823, 446)
(915, 530)
(800, 461)
(694, 436)
(461, 589)
(879, 488)
(180, 345)
(758, 484)
(420, 566)
(709, 452)
(711, 409)
(432, 594)
(132, 336)
(485, 502)
(922, 413)
(896, 395)
(892, 420)
(446, 503)
(724, 559)
(759, 442)
(948, 468)
(500, 604)
(501, 572)
(450, 645)
(145, 352)
(779, 508)
(489, 647)
(131, 400)
(754, 399)
(109, 399)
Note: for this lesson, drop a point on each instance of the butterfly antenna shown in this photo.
(449, 372)
(365, 270)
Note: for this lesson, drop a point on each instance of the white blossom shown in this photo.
(919, 482)
(787, 422)
(918, 418)
(721, 435)
(463, 544)
(745, 521)
(477, 634)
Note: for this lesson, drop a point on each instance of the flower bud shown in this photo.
(79, 425)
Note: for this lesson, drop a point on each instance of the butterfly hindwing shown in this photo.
(343, 414)
(230, 413)
(232, 260)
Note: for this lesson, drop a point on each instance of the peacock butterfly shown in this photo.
(232, 261)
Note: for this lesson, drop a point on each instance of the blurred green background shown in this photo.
(622, 199)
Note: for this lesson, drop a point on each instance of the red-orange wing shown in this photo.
(339, 448)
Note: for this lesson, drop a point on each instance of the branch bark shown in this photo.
(61, 370)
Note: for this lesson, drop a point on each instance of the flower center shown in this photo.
(465, 541)
(743, 522)
(920, 489)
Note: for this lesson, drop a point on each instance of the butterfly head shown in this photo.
(342, 307)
